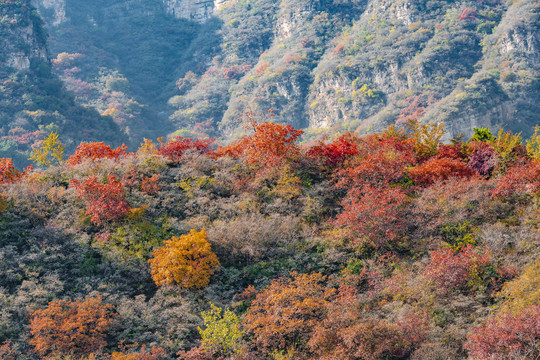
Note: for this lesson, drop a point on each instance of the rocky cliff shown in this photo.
(325, 65)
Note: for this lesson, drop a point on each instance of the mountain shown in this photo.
(33, 100)
(322, 65)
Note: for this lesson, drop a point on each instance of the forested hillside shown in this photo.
(326, 66)
(33, 100)
(385, 246)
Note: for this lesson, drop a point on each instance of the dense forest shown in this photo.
(385, 246)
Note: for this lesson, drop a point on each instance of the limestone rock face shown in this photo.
(195, 10)
(56, 9)
(19, 57)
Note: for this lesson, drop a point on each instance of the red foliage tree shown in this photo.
(520, 179)
(272, 143)
(94, 151)
(177, 146)
(71, 327)
(374, 215)
(336, 152)
(104, 202)
(453, 151)
(437, 169)
(8, 173)
(382, 161)
(450, 269)
(507, 336)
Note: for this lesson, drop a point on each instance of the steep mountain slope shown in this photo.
(326, 65)
(32, 99)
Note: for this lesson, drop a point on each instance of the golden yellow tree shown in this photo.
(524, 291)
(187, 260)
(51, 149)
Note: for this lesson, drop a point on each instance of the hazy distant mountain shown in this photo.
(324, 64)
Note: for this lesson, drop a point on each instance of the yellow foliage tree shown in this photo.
(288, 185)
(187, 260)
(51, 149)
(426, 136)
(533, 144)
(523, 291)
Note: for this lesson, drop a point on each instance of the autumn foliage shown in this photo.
(8, 172)
(150, 185)
(104, 202)
(507, 336)
(269, 145)
(177, 146)
(520, 179)
(285, 313)
(187, 260)
(464, 269)
(94, 151)
(347, 334)
(71, 327)
(439, 169)
(336, 152)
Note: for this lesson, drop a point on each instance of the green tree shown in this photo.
(482, 134)
(51, 149)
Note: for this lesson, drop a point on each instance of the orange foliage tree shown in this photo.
(104, 202)
(269, 145)
(187, 261)
(71, 327)
(150, 185)
(94, 151)
(284, 315)
(8, 173)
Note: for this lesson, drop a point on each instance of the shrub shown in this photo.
(520, 179)
(450, 269)
(375, 216)
(523, 291)
(155, 353)
(336, 152)
(507, 336)
(483, 160)
(177, 146)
